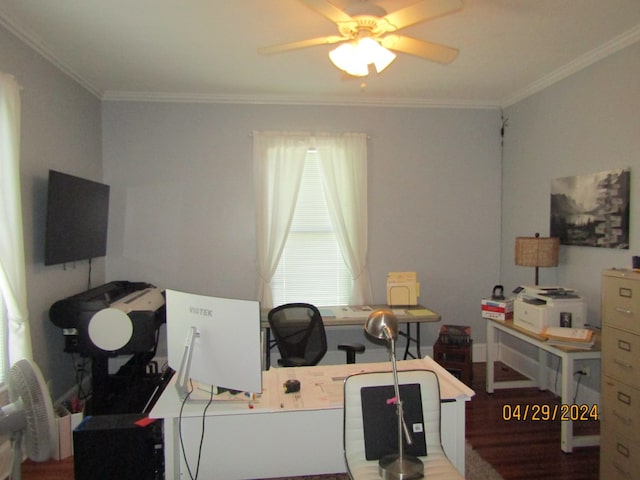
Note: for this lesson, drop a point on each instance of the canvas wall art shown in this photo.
(592, 210)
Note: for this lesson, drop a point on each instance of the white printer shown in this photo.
(537, 307)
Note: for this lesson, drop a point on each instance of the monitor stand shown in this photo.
(192, 391)
(187, 392)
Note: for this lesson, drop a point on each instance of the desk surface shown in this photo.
(321, 387)
(357, 314)
(515, 329)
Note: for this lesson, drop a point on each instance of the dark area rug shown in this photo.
(476, 469)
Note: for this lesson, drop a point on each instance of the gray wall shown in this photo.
(60, 130)
(584, 124)
(440, 204)
(182, 213)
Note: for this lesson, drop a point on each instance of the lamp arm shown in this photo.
(402, 425)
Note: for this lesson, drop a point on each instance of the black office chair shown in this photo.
(300, 336)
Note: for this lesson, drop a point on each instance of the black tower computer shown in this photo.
(119, 447)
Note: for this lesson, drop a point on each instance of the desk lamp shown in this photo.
(537, 252)
(382, 324)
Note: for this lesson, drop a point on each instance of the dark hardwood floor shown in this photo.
(524, 449)
(518, 450)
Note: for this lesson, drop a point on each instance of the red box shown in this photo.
(497, 309)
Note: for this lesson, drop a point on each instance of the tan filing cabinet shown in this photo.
(620, 395)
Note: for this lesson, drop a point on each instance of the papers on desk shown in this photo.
(322, 386)
(319, 387)
(569, 337)
(422, 312)
(365, 310)
(202, 392)
(353, 312)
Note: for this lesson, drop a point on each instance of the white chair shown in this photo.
(436, 464)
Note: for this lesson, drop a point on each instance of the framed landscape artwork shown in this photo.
(592, 210)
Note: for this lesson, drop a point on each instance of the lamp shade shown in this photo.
(382, 324)
(537, 251)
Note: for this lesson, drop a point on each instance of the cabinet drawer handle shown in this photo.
(624, 472)
(624, 398)
(624, 311)
(622, 345)
(622, 450)
(625, 420)
(625, 292)
(625, 365)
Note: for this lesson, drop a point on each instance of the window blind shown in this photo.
(311, 268)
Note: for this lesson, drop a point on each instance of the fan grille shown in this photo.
(26, 383)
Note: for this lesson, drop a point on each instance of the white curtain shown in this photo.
(278, 163)
(12, 263)
(278, 166)
(343, 160)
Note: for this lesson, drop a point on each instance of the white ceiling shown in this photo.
(205, 50)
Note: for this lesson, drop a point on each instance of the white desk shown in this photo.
(568, 356)
(287, 435)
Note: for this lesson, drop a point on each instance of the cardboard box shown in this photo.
(403, 288)
(497, 309)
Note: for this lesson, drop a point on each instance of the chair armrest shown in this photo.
(351, 349)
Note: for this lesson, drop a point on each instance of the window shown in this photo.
(311, 268)
(311, 218)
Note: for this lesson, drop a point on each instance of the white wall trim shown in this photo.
(589, 58)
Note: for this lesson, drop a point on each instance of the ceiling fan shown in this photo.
(367, 34)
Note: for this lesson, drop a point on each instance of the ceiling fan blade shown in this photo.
(311, 42)
(329, 10)
(422, 11)
(431, 51)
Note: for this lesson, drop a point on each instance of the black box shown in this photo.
(118, 447)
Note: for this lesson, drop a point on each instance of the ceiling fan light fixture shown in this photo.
(355, 57)
(345, 58)
(373, 52)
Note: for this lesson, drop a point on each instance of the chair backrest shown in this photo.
(354, 427)
(299, 333)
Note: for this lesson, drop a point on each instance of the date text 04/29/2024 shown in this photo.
(543, 412)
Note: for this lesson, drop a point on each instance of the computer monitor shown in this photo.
(220, 339)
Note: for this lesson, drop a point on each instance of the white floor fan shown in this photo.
(29, 418)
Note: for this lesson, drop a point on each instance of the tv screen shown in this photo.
(77, 218)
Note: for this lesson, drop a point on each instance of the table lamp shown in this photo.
(537, 252)
(382, 324)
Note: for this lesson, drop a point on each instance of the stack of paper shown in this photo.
(569, 337)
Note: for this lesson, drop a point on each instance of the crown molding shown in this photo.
(616, 44)
(116, 96)
(31, 39)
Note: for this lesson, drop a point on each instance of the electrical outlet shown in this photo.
(586, 371)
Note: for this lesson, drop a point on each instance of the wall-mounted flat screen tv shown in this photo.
(77, 219)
